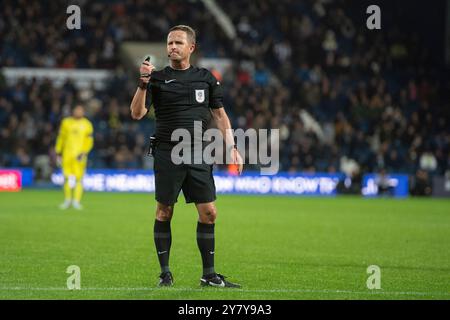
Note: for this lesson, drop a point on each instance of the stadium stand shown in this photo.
(343, 99)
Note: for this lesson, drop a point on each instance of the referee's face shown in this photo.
(179, 47)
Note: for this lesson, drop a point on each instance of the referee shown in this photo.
(181, 94)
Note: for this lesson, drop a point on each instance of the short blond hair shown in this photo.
(189, 31)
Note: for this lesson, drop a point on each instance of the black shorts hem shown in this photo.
(201, 200)
(166, 202)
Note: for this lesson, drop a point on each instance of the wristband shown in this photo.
(142, 85)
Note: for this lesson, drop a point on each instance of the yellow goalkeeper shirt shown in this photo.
(75, 137)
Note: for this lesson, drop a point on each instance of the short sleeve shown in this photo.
(148, 97)
(215, 93)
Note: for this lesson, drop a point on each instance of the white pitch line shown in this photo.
(372, 292)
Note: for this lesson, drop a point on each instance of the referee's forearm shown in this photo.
(224, 125)
(137, 106)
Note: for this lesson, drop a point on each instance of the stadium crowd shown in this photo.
(344, 99)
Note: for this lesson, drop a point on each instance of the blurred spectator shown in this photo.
(385, 188)
(420, 184)
(349, 166)
(352, 182)
(428, 162)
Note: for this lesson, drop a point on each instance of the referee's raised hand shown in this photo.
(137, 106)
(146, 70)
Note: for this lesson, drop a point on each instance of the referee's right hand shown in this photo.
(145, 70)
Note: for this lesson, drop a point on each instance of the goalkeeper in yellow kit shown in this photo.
(75, 140)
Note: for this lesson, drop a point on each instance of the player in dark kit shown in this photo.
(182, 94)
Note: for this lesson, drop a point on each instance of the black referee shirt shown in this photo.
(181, 97)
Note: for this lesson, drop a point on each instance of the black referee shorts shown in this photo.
(196, 180)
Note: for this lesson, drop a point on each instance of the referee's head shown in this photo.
(180, 43)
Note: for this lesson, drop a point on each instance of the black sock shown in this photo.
(163, 240)
(205, 242)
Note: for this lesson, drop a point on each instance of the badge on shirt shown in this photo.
(200, 95)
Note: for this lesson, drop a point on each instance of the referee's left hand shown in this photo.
(237, 159)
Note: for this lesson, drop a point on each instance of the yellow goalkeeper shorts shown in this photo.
(73, 167)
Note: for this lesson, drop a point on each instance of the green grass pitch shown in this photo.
(276, 247)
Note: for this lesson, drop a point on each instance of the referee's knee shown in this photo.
(208, 215)
(164, 212)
